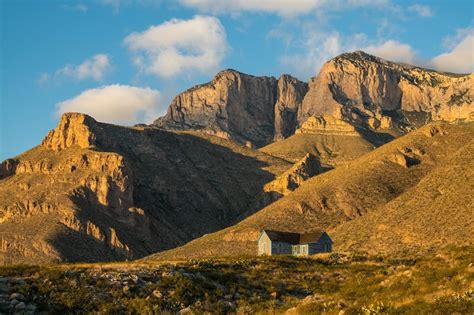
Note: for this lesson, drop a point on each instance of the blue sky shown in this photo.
(122, 61)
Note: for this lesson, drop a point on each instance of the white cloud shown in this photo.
(95, 67)
(178, 46)
(421, 10)
(393, 50)
(119, 104)
(317, 48)
(280, 7)
(461, 57)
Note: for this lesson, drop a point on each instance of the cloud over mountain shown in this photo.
(461, 56)
(119, 104)
(178, 46)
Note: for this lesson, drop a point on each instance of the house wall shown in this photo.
(264, 245)
(281, 248)
(322, 246)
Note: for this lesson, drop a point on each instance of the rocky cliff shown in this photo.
(94, 192)
(379, 94)
(247, 109)
(363, 90)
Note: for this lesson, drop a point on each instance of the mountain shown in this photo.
(370, 93)
(379, 94)
(93, 191)
(406, 197)
(250, 110)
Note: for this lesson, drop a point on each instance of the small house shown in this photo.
(285, 243)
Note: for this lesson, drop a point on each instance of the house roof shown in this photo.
(294, 238)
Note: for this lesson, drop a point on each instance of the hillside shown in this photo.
(93, 191)
(332, 140)
(397, 182)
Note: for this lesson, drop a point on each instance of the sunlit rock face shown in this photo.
(378, 94)
(366, 91)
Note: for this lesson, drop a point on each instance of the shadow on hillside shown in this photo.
(186, 185)
(375, 138)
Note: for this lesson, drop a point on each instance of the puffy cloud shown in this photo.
(393, 50)
(421, 10)
(95, 68)
(317, 48)
(119, 104)
(461, 57)
(179, 46)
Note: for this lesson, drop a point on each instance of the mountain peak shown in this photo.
(73, 129)
(360, 55)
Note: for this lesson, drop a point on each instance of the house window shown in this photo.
(264, 247)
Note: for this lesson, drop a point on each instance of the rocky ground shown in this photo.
(328, 284)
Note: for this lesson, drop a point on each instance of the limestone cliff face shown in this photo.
(290, 96)
(379, 94)
(233, 105)
(73, 129)
(327, 125)
(247, 109)
(361, 89)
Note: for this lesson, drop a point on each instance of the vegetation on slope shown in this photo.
(332, 150)
(396, 173)
(325, 284)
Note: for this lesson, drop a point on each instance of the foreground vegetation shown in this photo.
(442, 283)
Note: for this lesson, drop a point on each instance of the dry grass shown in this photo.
(324, 284)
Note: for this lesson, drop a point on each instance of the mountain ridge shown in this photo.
(364, 90)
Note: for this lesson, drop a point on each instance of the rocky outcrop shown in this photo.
(291, 179)
(247, 109)
(74, 129)
(378, 94)
(233, 105)
(290, 96)
(327, 125)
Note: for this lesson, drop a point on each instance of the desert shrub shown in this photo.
(377, 308)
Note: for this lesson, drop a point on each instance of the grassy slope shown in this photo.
(439, 209)
(331, 149)
(363, 186)
(325, 284)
